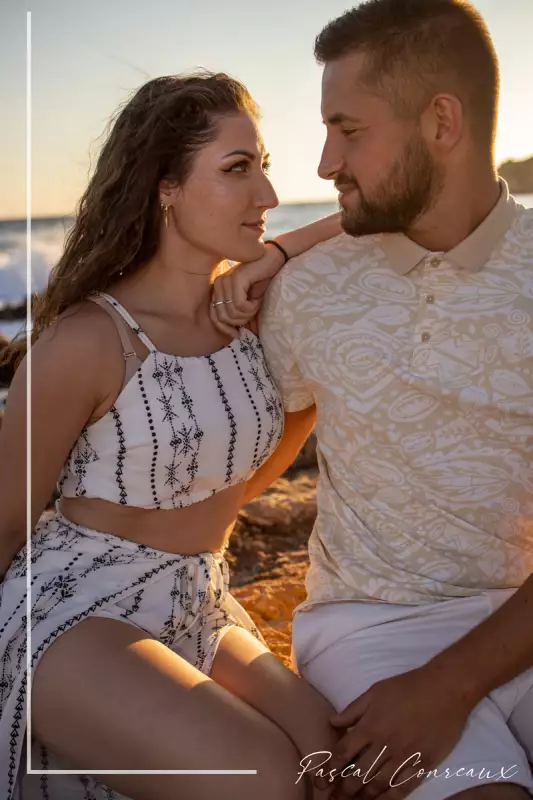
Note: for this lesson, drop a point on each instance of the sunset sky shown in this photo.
(89, 56)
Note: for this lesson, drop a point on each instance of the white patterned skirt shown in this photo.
(76, 572)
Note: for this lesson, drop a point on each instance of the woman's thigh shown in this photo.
(106, 696)
(250, 671)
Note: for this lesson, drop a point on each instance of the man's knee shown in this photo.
(494, 791)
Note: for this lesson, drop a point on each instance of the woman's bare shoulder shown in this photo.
(81, 349)
(83, 327)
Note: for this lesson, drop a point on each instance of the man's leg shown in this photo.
(494, 791)
(521, 722)
(343, 649)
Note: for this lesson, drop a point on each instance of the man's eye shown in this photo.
(349, 133)
(266, 166)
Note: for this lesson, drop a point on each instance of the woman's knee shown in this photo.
(279, 771)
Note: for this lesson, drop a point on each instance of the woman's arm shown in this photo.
(67, 365)
(298, 426)
(245, 284)
(299, 240)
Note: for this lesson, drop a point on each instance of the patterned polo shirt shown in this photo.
(421, 368)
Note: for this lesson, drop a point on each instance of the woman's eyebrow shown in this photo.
(246, 153)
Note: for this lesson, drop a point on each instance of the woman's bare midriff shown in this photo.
(202, 527)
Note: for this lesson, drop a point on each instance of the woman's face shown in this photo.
(221, 208)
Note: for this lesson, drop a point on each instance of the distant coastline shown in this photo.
(519, 175)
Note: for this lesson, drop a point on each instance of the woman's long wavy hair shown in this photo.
(154, 136)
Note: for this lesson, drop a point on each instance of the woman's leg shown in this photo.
(106, 696)
(247, 669)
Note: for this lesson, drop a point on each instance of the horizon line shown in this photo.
(71, 215)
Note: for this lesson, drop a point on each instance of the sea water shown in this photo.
(48, 238)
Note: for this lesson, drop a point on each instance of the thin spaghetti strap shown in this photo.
(133, 362)
(129, 319)
(127, 348)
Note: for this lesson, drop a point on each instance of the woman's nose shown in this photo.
(267, 197)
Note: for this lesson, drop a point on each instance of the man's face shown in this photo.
(380, 162)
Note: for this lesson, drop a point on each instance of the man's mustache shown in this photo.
(346, 181)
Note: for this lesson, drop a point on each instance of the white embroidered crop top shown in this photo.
(182, 429)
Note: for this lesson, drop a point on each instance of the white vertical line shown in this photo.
(28, 479)
(28, 386)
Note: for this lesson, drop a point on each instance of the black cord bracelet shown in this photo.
(280, 248)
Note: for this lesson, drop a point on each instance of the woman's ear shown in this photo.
(167, 192)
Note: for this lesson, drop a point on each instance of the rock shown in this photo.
(276, 523)
(268, 556)
(307, 455)
(6, 372)
(14, 311)
(271, 601)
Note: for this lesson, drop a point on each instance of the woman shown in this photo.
(156, 427)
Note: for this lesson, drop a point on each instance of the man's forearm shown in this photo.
(494, 652)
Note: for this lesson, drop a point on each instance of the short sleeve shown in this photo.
(275, 329)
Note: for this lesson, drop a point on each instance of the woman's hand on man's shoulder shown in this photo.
(238, 292)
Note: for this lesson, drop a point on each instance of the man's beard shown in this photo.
(409, 191)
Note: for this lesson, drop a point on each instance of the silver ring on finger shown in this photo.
(218, 303)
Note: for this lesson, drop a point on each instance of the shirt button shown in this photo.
(430, 299)
(435, 262)
(425, 336)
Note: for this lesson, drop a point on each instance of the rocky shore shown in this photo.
(13, 311)
(268, 555)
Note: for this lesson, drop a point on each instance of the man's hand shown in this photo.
(239, 291)
(402, 726)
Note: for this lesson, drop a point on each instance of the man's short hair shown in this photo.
(416, 48)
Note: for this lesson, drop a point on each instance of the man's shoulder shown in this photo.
(524, 223)
(329, 257)
(516, 246)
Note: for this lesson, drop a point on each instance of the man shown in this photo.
(411, 333)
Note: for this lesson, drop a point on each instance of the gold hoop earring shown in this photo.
(165, 212)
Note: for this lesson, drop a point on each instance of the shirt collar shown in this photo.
(471, 254)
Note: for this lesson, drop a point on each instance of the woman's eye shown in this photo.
(242, 166)
(348, 133)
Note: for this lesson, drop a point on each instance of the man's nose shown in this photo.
(331, 161)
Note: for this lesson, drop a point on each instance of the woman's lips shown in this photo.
(255, 227)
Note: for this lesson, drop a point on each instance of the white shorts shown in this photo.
(344, 648)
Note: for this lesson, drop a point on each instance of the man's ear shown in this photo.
(442, 123)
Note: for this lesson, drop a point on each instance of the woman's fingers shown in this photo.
(232, 307)
(221, 321)
(236, 290)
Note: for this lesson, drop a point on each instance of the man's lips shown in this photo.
(344, 191)
(345, 188)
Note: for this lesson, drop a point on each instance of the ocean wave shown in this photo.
(47, 242)
(48, 239)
